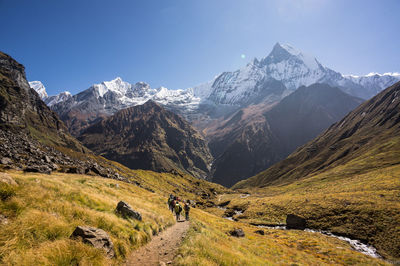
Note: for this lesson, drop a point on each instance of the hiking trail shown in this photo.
(162, 248)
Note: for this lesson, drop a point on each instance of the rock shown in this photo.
(3, 219)
(47, 159)
(295, 222)
(237, 232)
(127, 211)
(161, 263)
(38, 169)
(76, 170)
(95, 237)
(95, 169)
(225, 203)
(260, 232)
(229, 213)
(6, 178)
(6, 160)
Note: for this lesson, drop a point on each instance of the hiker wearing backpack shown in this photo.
(178, 210)
(169, 202)
(172, 206)
(187, 209)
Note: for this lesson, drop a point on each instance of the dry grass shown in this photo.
(45, 209)
(209, 244)
(363, 205)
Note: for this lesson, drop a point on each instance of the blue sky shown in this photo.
(73, 44)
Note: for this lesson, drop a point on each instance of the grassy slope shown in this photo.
(347, 199)
(44, 210)
(209, 244)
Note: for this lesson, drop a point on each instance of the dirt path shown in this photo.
(162, 248)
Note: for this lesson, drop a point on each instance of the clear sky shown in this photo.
(72, 44)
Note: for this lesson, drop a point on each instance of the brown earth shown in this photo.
(162, 248)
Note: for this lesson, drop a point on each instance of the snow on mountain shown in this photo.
(294, 69)
(267, 80)
(62, 96)
(39, 88)
(49, 100)
(375, 82)
(110, 96)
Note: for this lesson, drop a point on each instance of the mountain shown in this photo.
(258, 136)
(49, 100)
(224, 95)
(39, 88)
(149, 137)
(375, 82)
(54, 99)
(290, 66)
(21, 107)
(364, 134)
(105, 99)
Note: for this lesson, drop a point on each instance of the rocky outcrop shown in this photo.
(21, 152)
(31, 135)
(149, 137)
(295, 222)
(126, 211)
(95, 237)
(238, 232)
(7, 179)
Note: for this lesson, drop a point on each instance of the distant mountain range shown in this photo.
(249, 116)
(244, 86)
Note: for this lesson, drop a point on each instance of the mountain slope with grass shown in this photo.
(150, 137)
(344, 181)
(373, 126)
(260, 135)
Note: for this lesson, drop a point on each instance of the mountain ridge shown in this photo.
(370, 126)
(149, 137)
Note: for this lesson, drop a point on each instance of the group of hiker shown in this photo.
(176, 208)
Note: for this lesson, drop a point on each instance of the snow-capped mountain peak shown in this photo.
(286, 52)
(39, 88)
(62, 96)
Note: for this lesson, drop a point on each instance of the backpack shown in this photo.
(178, 208)
(187, 207)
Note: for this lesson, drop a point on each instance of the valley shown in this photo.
(296, 148)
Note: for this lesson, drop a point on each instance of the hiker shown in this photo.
(187, 209)
(178, 210)
(172, 206)
(169, 202)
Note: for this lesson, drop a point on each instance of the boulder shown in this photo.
(47, 159)
(237, 232)
(260, 232)
(6, 178)
(76, 170)
(295, 222)
(95, 237)
(38, 169)
(229, 213)
(125, 210)
(6, 160)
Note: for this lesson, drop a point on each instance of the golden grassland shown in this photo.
(44, 210)
(344, 200)
(208, 243)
